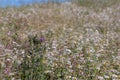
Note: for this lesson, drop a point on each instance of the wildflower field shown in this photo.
(61, 41)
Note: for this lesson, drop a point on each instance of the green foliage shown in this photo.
(32, 67)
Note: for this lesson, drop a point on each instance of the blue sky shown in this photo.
(4, 3)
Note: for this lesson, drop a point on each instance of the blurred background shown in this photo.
(94, 3)
(17, 3)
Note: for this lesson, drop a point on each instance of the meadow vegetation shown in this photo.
(61, 41)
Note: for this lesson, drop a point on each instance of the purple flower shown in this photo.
(42, 39)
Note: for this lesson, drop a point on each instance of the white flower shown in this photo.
(100, 78)
(115, 76)
(107, 77)
(68, 51)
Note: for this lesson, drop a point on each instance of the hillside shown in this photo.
(60, 41)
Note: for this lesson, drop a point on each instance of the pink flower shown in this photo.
(7, 71)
